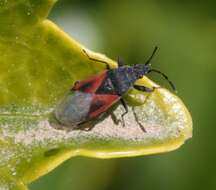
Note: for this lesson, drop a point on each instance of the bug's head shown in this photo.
(142, 69)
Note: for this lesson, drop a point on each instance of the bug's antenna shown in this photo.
(152, 55)
(166, 77)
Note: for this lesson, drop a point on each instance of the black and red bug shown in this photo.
(92, 97)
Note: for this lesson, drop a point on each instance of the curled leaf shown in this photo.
(38, 65)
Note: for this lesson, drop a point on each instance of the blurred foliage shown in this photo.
(185, 33)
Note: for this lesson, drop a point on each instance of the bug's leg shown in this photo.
(76, 82)
(120, 62)
(113, 117)
(85, 126)
(93, 59)
(126, 110)
(144, 88)
(89, 128)
(137, 120)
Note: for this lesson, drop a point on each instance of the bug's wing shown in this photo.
(90, 85)
(101, 103)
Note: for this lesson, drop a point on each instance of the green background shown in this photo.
(185, 32)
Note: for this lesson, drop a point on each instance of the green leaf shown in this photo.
(38, 65)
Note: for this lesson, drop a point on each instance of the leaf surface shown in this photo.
(39, 63)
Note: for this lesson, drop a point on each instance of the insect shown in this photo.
(91, 98)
